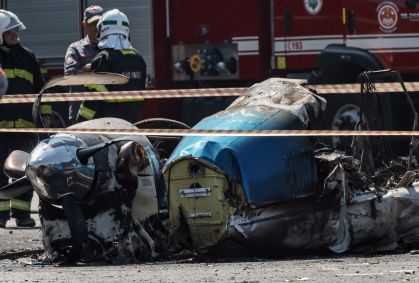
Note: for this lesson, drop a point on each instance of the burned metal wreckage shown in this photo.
(87, 185)
(275, 195)
(101, 195)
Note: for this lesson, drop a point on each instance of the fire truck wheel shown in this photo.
(345, 118)
(342, 113)
(342, 110)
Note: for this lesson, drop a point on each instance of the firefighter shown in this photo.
(81, 52)
(24, 76)
(117, 56)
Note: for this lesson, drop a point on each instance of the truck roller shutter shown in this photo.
(51, 26)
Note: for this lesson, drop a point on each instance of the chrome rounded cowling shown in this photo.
(54, 169)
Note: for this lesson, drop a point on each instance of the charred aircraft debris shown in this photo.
(275, 195)
(87, 185)
(114, 199)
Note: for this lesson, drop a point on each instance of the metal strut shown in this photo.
(367, 87)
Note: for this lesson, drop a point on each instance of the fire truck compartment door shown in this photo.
(388, 30)
(303, 29)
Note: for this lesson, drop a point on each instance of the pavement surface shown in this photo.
(20, 248)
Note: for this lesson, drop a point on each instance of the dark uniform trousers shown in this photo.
(21, 205)
(24, 76)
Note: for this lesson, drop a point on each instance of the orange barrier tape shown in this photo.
(183, 93)
(356, 88)
(115, 95)
(194, 132)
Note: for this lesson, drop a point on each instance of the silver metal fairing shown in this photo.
(54, 169)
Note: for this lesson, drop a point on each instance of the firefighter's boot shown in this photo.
(3, 223)
(25, 222)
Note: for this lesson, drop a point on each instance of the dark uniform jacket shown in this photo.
(78, 54)
(125, 62)
(24, 76)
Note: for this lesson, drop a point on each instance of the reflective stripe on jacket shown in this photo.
(22, 69)
(19, 73)
(19, 123)
(24, 76)
(86, 112)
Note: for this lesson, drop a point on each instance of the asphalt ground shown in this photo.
(20, 249)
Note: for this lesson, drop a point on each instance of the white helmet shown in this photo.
(113, 22)
(8, 21)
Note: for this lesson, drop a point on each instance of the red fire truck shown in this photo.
(189, 43)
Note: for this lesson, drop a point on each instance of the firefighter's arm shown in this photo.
(72, 61)
(143, 73)
(87, 67)
(101, 63)
(38, 78)
(88, 109)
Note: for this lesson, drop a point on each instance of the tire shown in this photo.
(340, 113)
(344, 117)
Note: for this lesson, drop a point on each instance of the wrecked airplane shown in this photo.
(278, 195)
(100, 195)
(87, 185)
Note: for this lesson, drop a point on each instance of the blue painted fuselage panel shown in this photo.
(269, 168)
